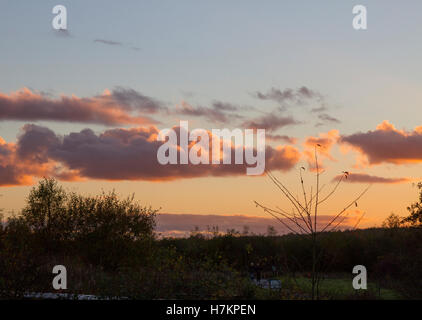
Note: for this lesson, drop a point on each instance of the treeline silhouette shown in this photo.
(109, 248)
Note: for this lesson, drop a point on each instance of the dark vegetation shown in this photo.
(109, 248)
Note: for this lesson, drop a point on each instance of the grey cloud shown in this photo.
(270, 122)
(62, 33)
(108, 109)
(319, 109)
(218, 112)
(135, 100)
(278, 137)
(327, 118)
(301, 95)
(109, 42)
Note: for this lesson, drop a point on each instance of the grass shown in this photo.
(339, 287)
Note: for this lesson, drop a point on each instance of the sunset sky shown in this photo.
(85, 105)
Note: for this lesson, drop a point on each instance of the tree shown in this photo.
(392, 221)
(302, 219)
(52, 212)
(110, 231)
(45, 208)
(106, 217)
(271, 231)
(415, 209)
(102, 229)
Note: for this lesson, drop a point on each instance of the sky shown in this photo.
(85, 105)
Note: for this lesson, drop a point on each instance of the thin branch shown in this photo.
(303, 188)
(286, 191)
(288, 195)
(347, 207)
(340, 222)
(317, 187)
(334, 190)
(271, 212)
(357, 223)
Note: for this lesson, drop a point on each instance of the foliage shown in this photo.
(108, 247)
(415, 209)
(45, 211)
(392, 221)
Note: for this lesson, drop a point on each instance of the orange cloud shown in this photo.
(115, 154)
(324, 143)
(386, 144)
(111, 108)
(17, 170)
(366, 178)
